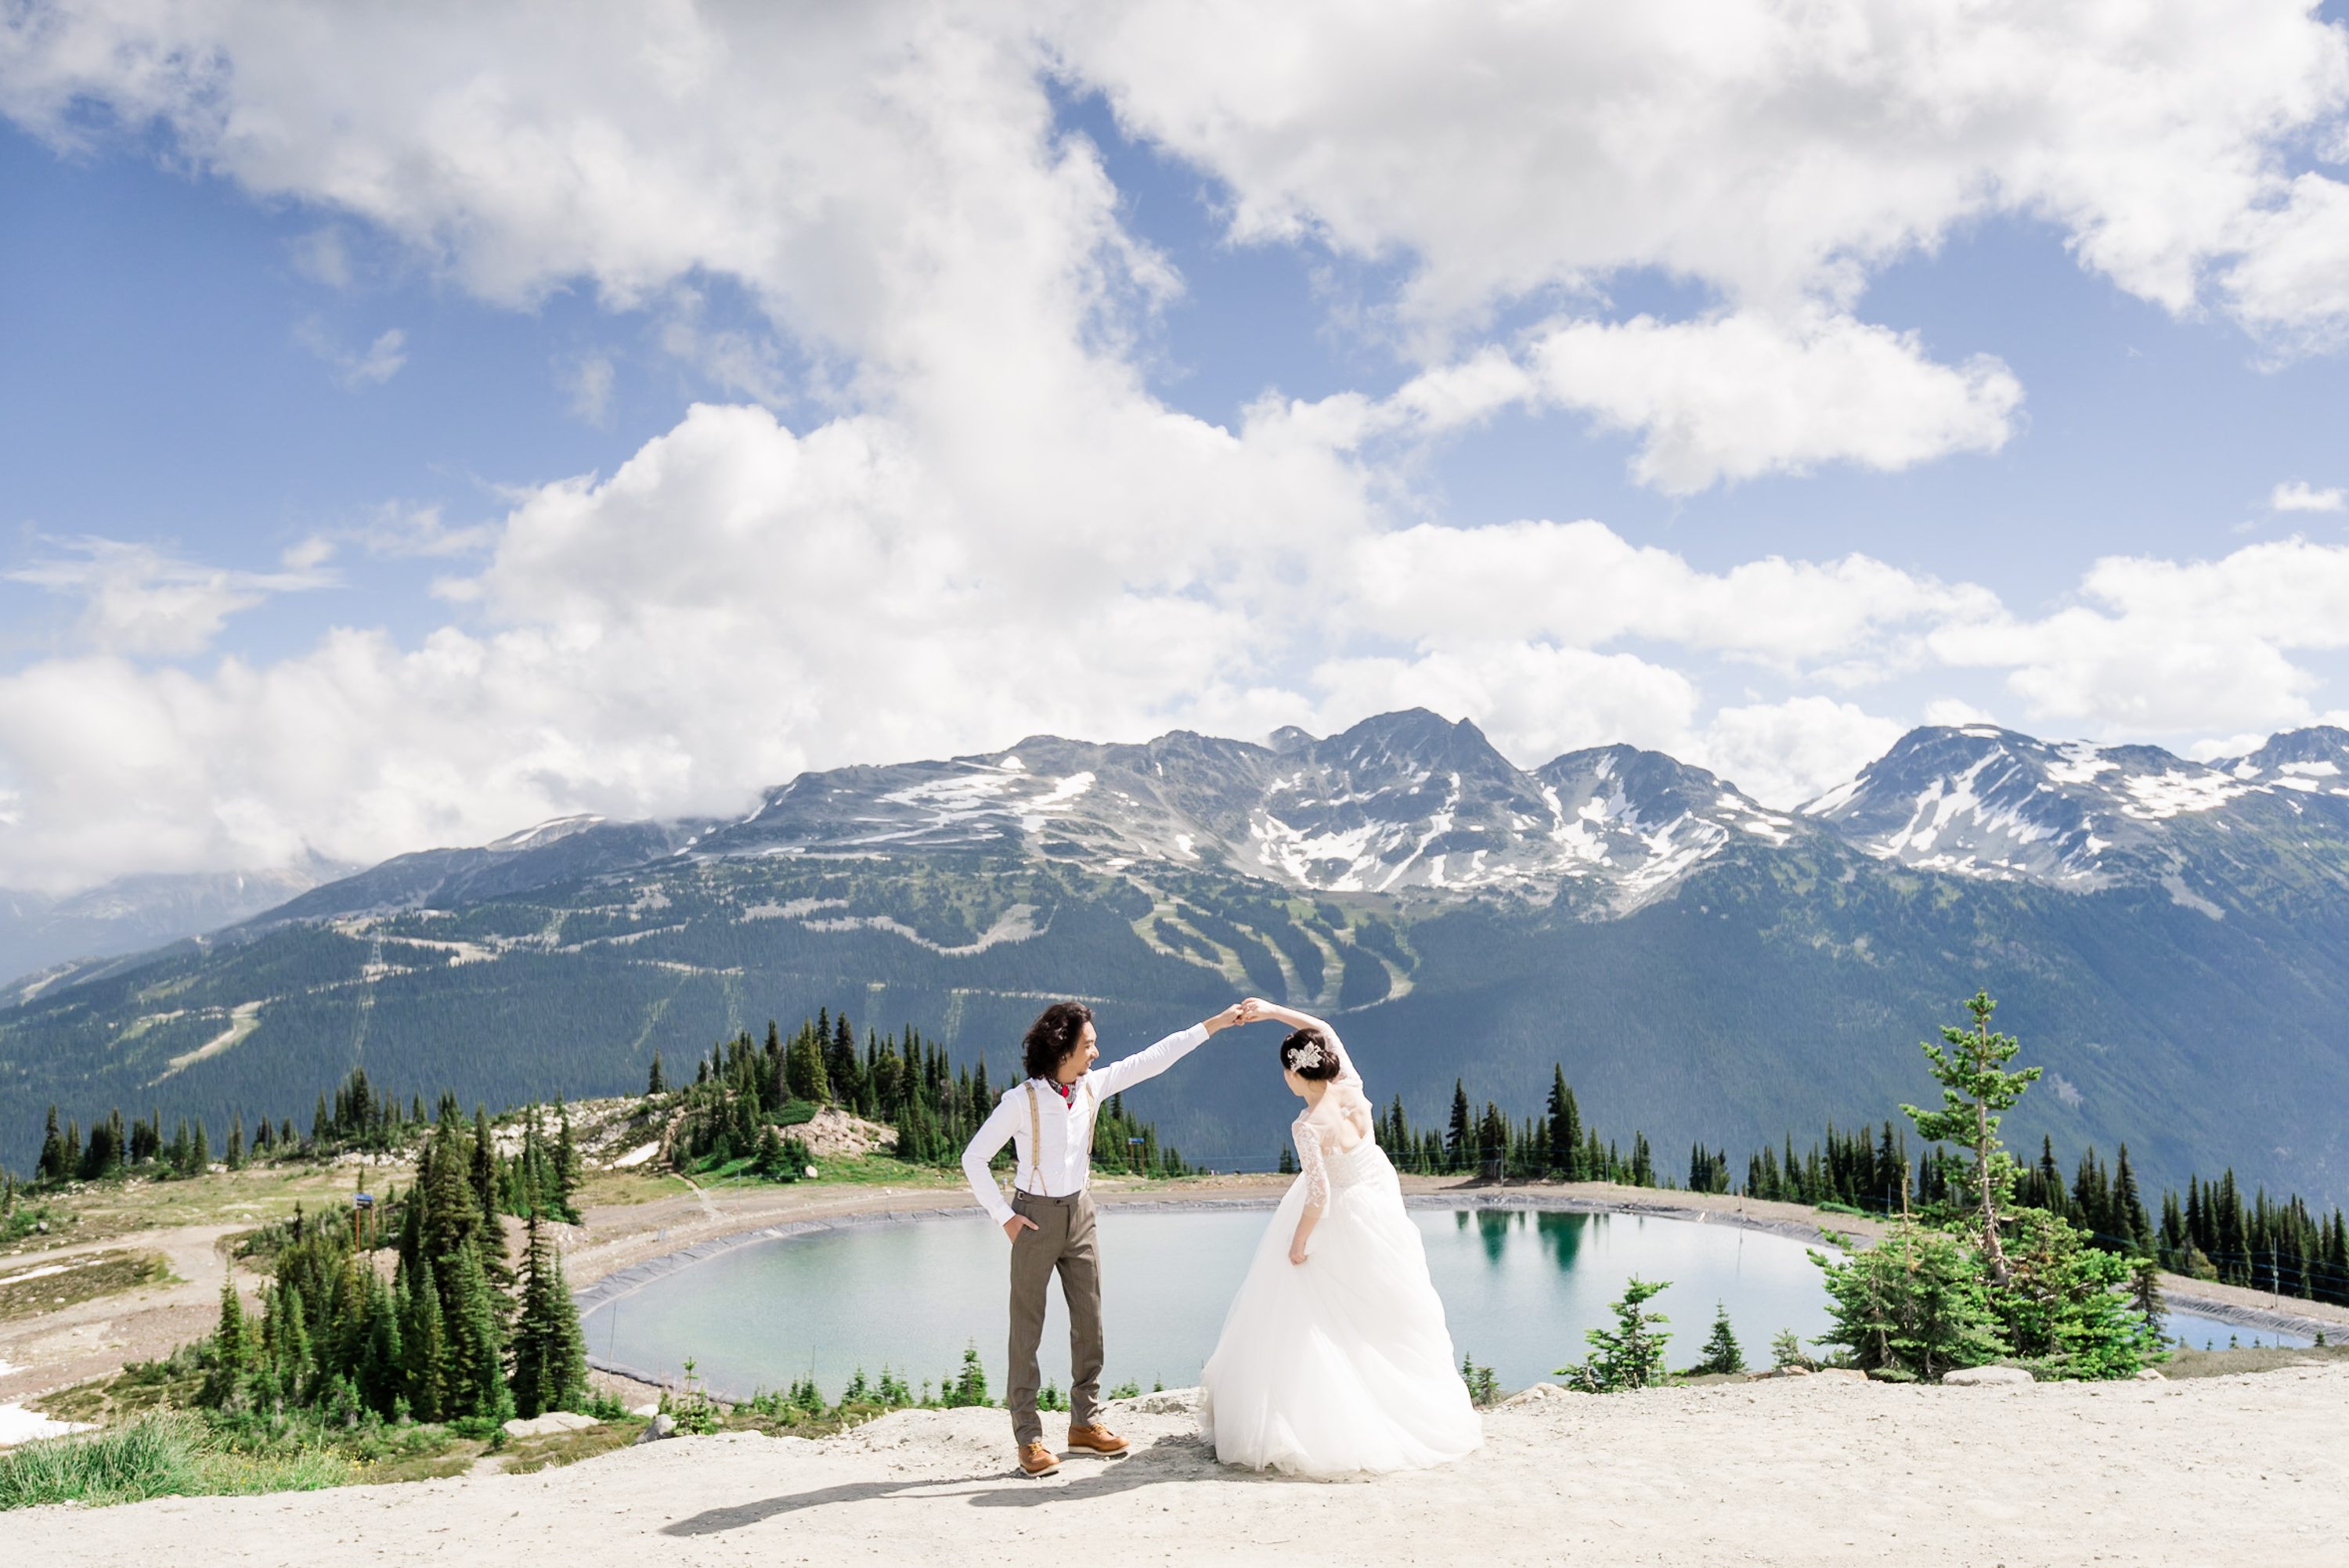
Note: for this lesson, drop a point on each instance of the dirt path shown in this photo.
(92, 1338)
(1811, 1470)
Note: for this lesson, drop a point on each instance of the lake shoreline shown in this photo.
(623, 1274)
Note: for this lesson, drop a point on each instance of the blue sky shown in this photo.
(240, 364)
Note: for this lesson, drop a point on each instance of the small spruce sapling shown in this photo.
(1970, 1067)
(1722, 1352)
(1631, 1353)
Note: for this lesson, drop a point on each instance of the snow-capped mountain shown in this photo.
(1982, 801)
(1405, 804)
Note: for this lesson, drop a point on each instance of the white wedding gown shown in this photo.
(1341, 1365)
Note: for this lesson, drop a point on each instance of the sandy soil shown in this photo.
(93, 1338)
(1809, 1470)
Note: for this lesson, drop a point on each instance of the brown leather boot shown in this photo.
(1035, 1458)
(1099, 1439)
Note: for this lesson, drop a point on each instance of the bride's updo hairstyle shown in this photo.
(1309, 1053)
(1053, 1035)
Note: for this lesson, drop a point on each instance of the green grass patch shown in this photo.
(27, 1289)
(2227, 1363)
(164, 1453)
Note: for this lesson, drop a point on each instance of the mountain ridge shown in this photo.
(2172, 938)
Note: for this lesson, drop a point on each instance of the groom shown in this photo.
(1049, 1121)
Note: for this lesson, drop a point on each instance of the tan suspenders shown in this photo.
(1035, 1137)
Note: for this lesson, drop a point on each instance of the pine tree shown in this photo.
(232, 1353)
(654, 1082)
(1722, 1354)
(1458, 1139)
(199, 1154)
(1970, 1066)
(55, 1166)
(425, 1339)
(566, 1171)
(550, 1352)
(477, 1380)
(2128, 1206)
(803, 1068)
(1631, 1353)
(1565, 1128)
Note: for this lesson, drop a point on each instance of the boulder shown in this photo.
(659, 1427)
(2151, 1375)
(549, 1424)
(1987, 1376)
(1841, 1374)
(1534, 1395)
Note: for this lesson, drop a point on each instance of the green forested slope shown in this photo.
(1773, 988)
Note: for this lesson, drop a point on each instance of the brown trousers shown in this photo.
(1062, 1240)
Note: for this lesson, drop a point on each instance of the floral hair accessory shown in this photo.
(1307, 1055)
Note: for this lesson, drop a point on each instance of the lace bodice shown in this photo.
(1318, 1154)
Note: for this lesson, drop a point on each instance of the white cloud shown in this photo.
(1737, 397)
(138, 600)
(1789, 752)
(1774, 152)
(1951, 712)
(371, 366)
(2169, 647)
(588, 381)
(2301, 495)
(1533, 701)
(978, 522)
(1583, 582)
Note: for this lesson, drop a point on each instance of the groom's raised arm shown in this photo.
(1126, 1071)
(992, 1135)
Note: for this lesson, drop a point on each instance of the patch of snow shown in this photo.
(2164, 795)
(2305, 786)
(2081, 762)
(19, 1424)
(2313, 769)
(637, 1156)
(1839, 795)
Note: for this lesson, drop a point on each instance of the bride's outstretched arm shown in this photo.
(1256, 1007)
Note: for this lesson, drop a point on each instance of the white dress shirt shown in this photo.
(1065, 1160)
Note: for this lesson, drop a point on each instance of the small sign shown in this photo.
(362, 1200)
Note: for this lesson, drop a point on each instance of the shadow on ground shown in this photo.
(1167, 1460)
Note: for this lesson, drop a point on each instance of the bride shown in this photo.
(1334, 1359)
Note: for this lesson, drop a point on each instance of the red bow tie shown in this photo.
(1067, 1091)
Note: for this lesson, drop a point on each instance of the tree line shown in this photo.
(746, 1095)
(456, 1332)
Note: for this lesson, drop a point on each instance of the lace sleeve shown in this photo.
(1309, 1161)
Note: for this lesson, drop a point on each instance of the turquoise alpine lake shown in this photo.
(1520, 1286)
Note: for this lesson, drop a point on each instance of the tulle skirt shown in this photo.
(1341, 1364)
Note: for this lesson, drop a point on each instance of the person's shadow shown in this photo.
(1153, 1466)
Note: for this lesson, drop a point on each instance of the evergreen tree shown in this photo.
(2128, 1206)
(1565, 1128)
(1913, 1305)
(654, 1082)
(199, 1154)
(803, 1068)
(1970, 1067)
(1459, 1137)
(550, 1352)
(477, 1378)
(1722, 1354)
(1631, 1353)
(55, 1165)
(426, 1338)
(232, 1353)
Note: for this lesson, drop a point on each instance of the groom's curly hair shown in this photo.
(1320, 1070)
(1053, 1035)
